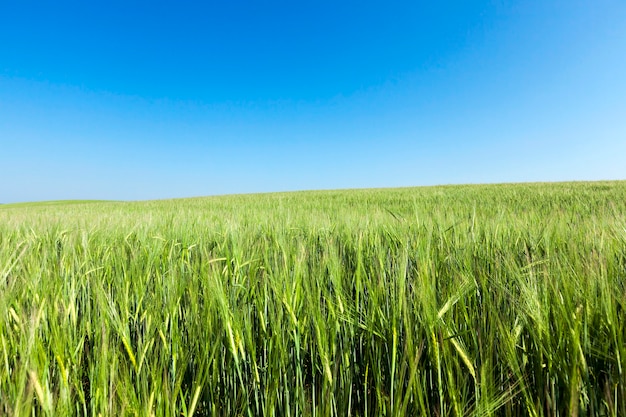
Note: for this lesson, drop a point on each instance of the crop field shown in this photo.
(478, 300)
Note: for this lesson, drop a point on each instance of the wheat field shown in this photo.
(475, 300)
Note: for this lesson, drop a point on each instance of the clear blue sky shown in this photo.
(143, 100)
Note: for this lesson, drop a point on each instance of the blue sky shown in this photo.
(146, 100)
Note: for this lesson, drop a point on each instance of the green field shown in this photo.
(504, 300)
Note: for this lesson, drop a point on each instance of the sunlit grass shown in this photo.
(441, 301)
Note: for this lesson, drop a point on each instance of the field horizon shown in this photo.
(412, 187)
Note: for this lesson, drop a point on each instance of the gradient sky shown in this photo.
(133, 100)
